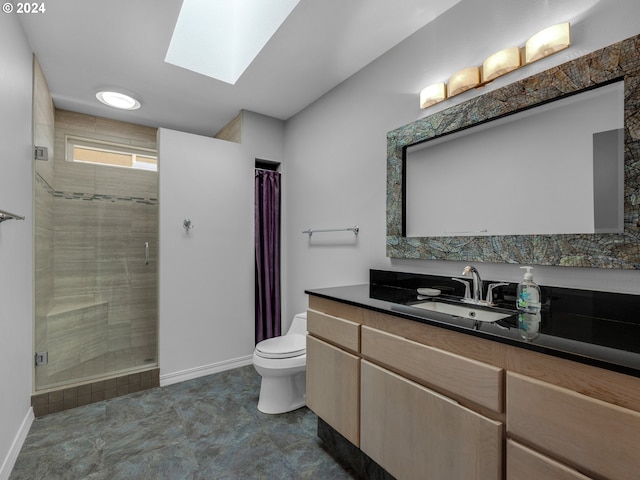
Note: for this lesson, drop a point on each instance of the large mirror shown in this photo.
(445, 171)
(546, 170)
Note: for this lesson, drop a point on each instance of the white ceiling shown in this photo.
(88, 45)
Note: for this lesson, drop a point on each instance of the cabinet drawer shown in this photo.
(595, 436)
(476, 381)
(338, 331)
(333, 387)
(416, 433)
(526, 464)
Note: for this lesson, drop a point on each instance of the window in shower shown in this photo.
(86, 150)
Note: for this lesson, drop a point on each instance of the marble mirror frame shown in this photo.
(617, 62)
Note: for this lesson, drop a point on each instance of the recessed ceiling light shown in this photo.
(118, 100)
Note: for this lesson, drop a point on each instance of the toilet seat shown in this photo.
(286, 346)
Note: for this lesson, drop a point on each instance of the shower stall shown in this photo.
(96, 244)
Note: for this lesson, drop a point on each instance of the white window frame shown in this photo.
(72, 141)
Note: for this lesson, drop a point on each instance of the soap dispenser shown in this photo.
(528, 295)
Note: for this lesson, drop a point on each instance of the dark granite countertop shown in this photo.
(595, 328)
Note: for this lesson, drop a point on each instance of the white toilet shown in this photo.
(282, 363)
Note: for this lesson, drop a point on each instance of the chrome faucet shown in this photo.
(467, 289)
(477, 283)
(489, 300)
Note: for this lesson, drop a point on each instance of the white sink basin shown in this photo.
(465, 311)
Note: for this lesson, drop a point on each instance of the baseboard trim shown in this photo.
(16, 446)
(191, 373)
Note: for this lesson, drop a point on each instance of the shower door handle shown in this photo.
(146, 253)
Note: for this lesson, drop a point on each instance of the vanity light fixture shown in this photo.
(547, 42)
(463, 80)
(433, 94)
(118, 100)
(500, 63)
(540, 45)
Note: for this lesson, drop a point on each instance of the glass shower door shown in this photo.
(96, 270)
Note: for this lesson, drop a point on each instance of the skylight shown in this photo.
(220, 38)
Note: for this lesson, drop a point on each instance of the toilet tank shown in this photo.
(299, 324)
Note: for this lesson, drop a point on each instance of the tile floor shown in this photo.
(203, 429)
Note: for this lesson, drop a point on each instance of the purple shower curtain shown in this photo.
(267, 249)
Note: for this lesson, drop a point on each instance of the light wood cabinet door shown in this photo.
(578, 430)
(526, 464)
(339, 331)
(333, 386)
(447, 372)
(415, 433)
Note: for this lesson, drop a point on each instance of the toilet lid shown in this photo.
(286, 346)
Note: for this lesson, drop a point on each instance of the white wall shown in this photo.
(335, 170)
(262, 137)
(206, 289)
(207, 276)
(16, 265)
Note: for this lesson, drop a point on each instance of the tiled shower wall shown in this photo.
(101, 318)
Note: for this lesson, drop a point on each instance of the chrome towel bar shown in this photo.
(311, 231)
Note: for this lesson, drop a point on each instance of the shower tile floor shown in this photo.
(203, 429)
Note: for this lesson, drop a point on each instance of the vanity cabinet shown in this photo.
(429, 402)
(415, 433)
(333, 372)
(436, 399)
(595, 437)
(399, 400)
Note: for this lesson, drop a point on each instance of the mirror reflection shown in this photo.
(553, 169)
